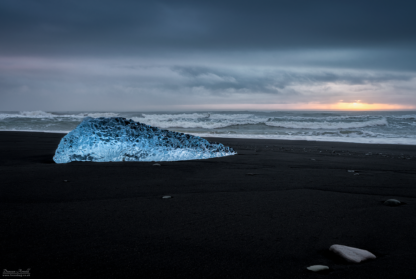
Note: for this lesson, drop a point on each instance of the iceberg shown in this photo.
(117, 139)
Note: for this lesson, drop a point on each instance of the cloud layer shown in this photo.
(133, 55)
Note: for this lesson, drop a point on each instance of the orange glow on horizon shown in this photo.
(341, 106)
(361, 106)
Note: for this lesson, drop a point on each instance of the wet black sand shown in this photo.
(268, 212)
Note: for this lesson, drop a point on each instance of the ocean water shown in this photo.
(392, 127)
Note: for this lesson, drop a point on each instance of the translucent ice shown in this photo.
(118, 139)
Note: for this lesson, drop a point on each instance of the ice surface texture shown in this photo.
(118, 139)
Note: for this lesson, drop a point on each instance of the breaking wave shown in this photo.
(381, 127)
(199, 120)
(216, 121)
(43, 115)
(328, 125)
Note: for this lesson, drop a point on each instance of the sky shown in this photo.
(102, 55)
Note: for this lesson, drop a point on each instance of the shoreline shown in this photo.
(258, 137)
(270, 211)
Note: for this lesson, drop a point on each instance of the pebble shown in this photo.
(317, 268)
(351, 254)
(351, 170)
(356, 174)
(66, 180)
(392, 202)
(158, 165)
(166, 197)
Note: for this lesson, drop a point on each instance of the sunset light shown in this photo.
(363, 106)
(340, 106)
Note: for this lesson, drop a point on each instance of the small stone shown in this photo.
(317, 268)
(351, 254)
(66, 180)
(351, 170)
(157, 164)
(313, 159)
(356, 174)
(392, 202)
(166, 197)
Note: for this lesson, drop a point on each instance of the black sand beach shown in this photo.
(268, 212)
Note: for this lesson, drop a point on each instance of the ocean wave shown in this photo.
(182, 123)
(98, 114)
(217, 121)
(199, 120)
(43, 115)
(27, 114)
(320, 117)
(405, 117)
(243, 116)
(196, 116)
(370, 127)
(328, 125)
(176, 116)
(36, 114)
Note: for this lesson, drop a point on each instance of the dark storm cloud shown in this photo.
(120, 27)
(60, 85)
(272, 80)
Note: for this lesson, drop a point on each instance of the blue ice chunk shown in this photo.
(118, 139)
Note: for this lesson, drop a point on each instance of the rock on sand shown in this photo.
(351, 254)
(317, 268)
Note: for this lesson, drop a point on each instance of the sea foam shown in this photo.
(328, 125)
(374, 127)
(44, 115)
